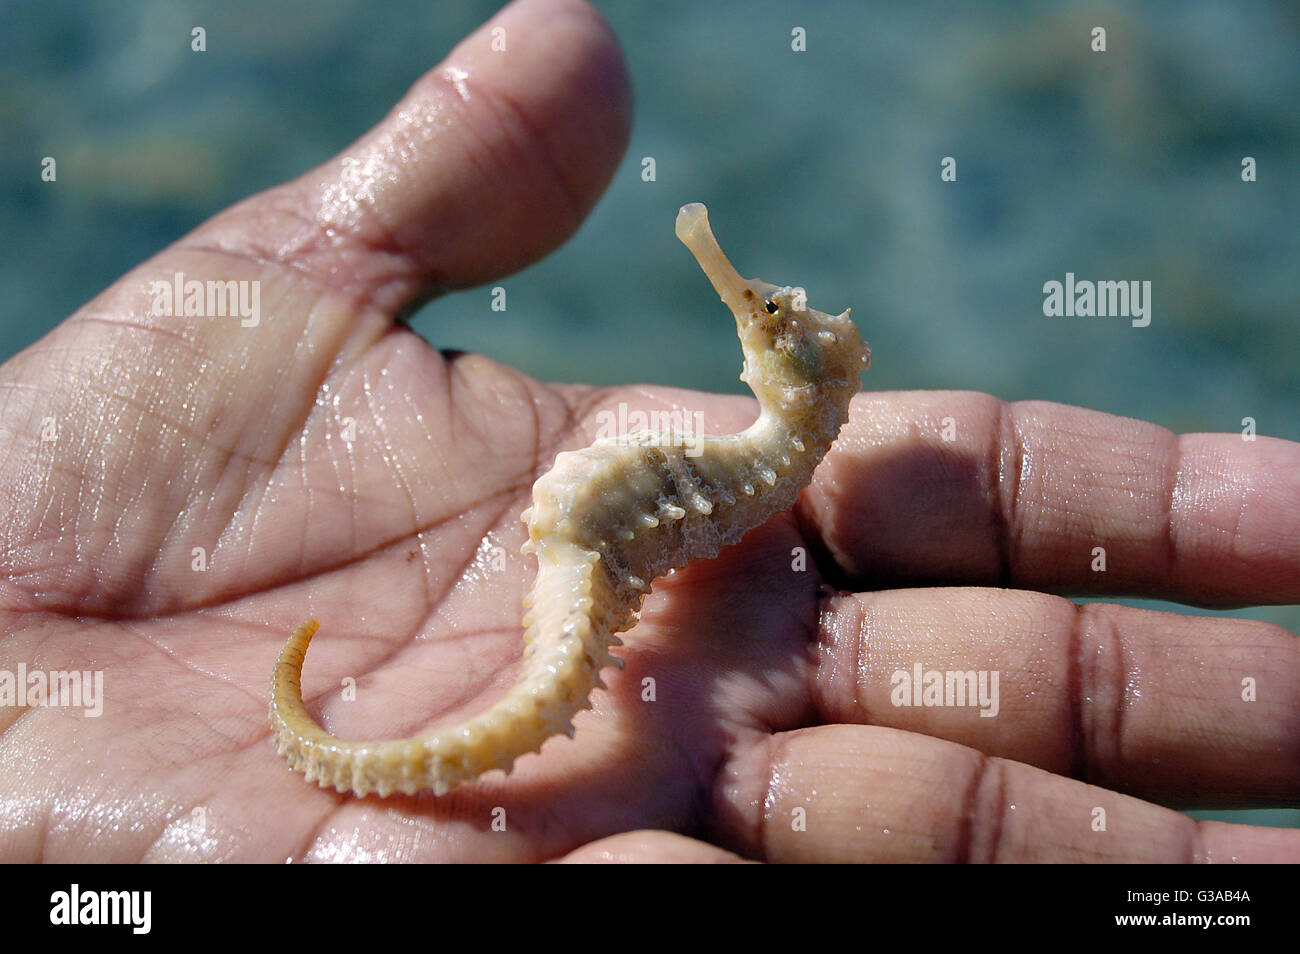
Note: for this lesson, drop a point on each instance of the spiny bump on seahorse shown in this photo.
(605, 522)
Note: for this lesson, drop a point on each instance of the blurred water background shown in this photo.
(819, 167)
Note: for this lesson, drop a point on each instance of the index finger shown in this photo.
(952, 487)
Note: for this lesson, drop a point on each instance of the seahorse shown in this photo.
(605, 522)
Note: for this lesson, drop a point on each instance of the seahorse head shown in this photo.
(793, 353)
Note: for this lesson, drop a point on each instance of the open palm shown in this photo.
(207, 484)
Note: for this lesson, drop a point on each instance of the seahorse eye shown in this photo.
(771, 306)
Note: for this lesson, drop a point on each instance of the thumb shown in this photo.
(490, 161)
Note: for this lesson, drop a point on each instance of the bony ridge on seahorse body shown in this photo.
(605, 522)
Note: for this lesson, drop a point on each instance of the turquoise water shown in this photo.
(819, 167)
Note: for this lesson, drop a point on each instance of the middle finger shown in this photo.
(1191, 711)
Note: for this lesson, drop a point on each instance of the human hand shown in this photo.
(182, 433)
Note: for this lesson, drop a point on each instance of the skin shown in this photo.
(772, 686)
